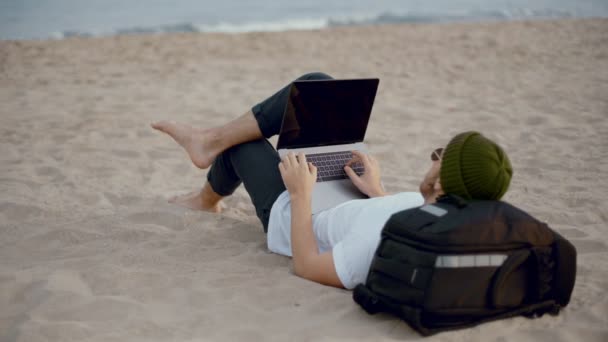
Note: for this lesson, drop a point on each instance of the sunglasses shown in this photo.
(436, 155)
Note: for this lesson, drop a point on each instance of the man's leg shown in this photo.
(255, 164)
(263, 120)
(203, 145)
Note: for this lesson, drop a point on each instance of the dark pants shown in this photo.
(255, 163)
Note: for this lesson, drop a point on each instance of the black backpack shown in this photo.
(456, 264)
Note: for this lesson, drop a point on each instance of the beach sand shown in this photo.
(90, 250)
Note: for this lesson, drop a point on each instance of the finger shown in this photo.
(313, 169)
(357, 157)
(362, 156)
(285, 160)
(292, 159)
(353, 160)
(352, 175)
(357, 154)
(281, 168)
(302, 159)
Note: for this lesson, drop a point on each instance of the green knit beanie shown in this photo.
(475, 167)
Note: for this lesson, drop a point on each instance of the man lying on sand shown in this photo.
(336, 246)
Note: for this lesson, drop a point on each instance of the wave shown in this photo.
(311, 24)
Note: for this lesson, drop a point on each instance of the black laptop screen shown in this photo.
(327, 112)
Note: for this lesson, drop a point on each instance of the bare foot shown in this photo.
(201, 145)
(195, 201)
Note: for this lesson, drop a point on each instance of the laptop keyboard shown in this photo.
(330, 166)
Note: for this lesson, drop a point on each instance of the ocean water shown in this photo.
(43, 19)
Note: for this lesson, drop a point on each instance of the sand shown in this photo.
(90, 250)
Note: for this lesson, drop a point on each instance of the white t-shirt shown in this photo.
(350, 230)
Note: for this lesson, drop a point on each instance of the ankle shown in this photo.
(215, 140)
(209, 198)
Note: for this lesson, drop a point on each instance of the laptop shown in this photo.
(327, 119)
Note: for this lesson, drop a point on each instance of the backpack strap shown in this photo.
(413, 275)
(498, 297)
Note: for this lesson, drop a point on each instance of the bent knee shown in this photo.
(315, 76)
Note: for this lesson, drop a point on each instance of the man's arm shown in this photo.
(299, 177)
(307, 262)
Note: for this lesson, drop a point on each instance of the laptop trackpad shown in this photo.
(329, 194)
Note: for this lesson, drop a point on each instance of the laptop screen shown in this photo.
(327, 112)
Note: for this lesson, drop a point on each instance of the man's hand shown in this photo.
(431, 184)
(298, 175)
(368, 183)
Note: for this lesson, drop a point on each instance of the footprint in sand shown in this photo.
(48, 171)
(120, 201)
(181, 169)
(576, 188)
(166, 219)
(588, 246)
(99, 309)
(535, 121)
(572, 233)
(114, 135)
(64, 239)
(70, 281)
(30, 184)
(145, 133)
(125, 153)
(57, 154)
(15, 211)
(158, 155)
(61, 138)
(242, 232)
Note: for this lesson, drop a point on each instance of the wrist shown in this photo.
(377, 193)
(300, 197)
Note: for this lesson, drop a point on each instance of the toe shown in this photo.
(157, 125)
